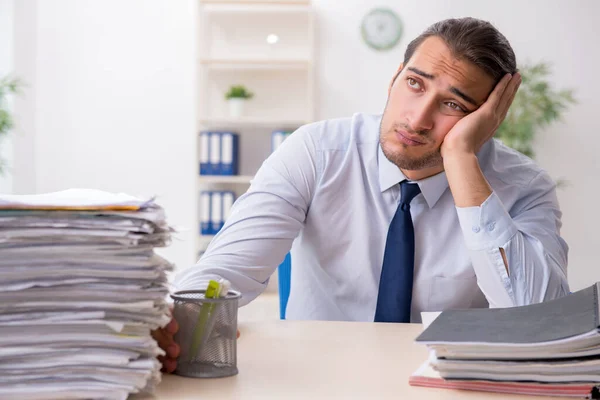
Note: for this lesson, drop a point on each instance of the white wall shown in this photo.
(112, 86)
(6, 68)
(353, 78)
(111, 102)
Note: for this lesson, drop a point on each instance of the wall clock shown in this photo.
(381, 29)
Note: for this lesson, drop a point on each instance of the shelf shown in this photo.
(256, 2)
(252, 122)
(259, 8)
(225, 178)
(263, 64)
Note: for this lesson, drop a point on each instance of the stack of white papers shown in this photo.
(80, 291)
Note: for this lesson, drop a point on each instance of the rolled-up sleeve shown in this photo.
(529, 234)
(263, 222)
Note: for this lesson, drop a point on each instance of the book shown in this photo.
(563, 328)
(550, 348)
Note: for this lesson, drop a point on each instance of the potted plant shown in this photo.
(237, 97)
(535, 106)
(7, 86)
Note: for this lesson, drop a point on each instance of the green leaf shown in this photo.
(239, 92)
(536, 105)
(7, 86)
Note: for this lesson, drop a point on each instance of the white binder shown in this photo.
(228, 199)
(205, 228)
(216, 212)
(215, 153)
(204, 153)
(277, 139)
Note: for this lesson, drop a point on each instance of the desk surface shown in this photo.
(315, 360)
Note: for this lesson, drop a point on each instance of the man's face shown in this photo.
(431, 94)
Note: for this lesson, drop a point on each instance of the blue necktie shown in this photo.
(395, 285)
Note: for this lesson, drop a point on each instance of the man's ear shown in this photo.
(395, 76)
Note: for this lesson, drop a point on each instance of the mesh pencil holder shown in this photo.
(207, 334)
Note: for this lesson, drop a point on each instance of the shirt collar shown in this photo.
(390, 175)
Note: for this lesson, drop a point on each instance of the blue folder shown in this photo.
(229, 153)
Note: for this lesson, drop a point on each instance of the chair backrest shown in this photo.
(284, 273)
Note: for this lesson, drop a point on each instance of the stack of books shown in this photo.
(551, 348)
(81, 288)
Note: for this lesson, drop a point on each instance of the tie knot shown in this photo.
(408, 191)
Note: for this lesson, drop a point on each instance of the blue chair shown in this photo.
(284, 273)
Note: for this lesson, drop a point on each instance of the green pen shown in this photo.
(213, 291)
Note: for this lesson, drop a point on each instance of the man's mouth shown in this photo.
(408, 139)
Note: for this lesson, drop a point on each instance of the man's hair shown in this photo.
(473, 40)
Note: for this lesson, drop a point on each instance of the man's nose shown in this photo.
(421, 116)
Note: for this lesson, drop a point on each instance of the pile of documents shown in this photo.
(81, 288)
(551, 348)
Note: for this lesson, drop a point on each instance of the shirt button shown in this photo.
(491, 226)
(476, 229)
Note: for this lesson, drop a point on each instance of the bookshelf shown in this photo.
(265, 64)
(241, 179)
(248, 122)
(247, 8)
(257, 2)
(267, 46)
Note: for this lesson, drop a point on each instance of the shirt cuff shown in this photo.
(487, 226)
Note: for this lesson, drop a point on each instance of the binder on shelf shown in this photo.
(214, 153)
(229, 153)
(228, 200)
(216, 212)
(219, 153)
(277, 138)
(204, 153)
(205, 226)
(215, 208)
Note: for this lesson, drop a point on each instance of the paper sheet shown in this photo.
(72, 199)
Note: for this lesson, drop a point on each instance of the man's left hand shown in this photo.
(472, 131)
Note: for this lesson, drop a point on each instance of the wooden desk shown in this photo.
(318, 360)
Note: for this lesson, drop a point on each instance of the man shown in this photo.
(415, 210)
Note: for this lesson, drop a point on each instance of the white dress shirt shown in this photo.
(330, 194)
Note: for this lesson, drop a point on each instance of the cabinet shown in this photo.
(268, 47)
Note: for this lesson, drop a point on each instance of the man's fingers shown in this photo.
(169, 364)
(165, 341)
(495, 97)
(173, 350)
(509, 94)
(172, 327)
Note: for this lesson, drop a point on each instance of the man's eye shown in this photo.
(413, 84)
(454, 106)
